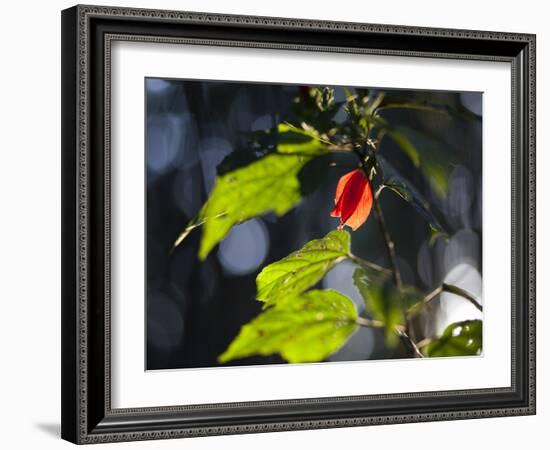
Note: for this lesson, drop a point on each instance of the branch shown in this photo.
(409, 343)
(379, 191)
(368, 264)
(437, 292)
(462, 293)
(345, 148)
(399, 329)
(192, 225)
(369, 323)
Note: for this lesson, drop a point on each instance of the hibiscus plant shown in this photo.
(298, 321)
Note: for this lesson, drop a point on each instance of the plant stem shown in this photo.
(400, 330)
(390, 247)
(340, 148)
(462, 293)
(369, 323)
(432, 295)
(410, 343)
(192, 225)
(368, 264)
(437, 292)
(423, 342)
(379, 191)
(342, 166)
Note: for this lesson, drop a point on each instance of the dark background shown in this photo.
(195, 309)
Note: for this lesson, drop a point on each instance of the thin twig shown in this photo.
(342, 166)
(340, 148)
(423, 343)
(390, 247)
(368, 264)
(191, 227)
(369, 323)
(400, 330)
(437, 292)
(432, 295)
(379, 191)
(462, 293)
(410, 343)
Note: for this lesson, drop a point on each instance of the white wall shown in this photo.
(30, 222)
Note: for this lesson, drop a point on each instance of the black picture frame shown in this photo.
(87, 32)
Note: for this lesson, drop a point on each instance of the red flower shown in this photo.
(353, 199)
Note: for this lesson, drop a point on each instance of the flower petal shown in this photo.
(352, 195)
(342, 184)
(353, 199)
(362, 209)
(337, 210)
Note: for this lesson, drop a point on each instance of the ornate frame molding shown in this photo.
(85, 422)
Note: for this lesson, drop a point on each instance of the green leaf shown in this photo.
(257, 145)
(284, 138)
(253, 183)
(239, 158)
(302, 269)
(269, 184)
(296, 140)
(301, 328)
(433, 158)
(458, 339)
(324, 98)
(360, 124)
(384, 301)
(317, 108)
(396, 102)
(404, 188)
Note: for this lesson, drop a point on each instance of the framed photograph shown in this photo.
(281, 224)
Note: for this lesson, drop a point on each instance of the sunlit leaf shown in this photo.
(257, 145)
(458, 339)
(269, 184)
(240, 158)
(285, 138)
(302, 269)
(384, 301)
(301, 328)
(296, 140)
(405, 189)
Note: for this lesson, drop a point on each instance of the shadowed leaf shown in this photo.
(301, 328)
(396, 102)
(433, 158)
(384, 301)
(405, 189)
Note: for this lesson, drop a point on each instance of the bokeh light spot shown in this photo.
(245, 248)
